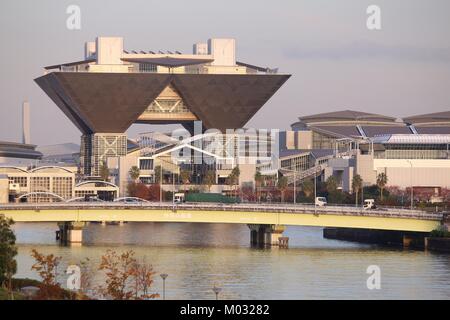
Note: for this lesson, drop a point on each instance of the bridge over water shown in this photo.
(266, 221)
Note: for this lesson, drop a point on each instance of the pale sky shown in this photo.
(336, 62)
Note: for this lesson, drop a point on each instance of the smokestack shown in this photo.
(26, 122)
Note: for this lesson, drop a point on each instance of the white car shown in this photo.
(321, 201)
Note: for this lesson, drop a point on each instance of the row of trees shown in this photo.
(329, 188)
(125, 278)
(209, 179)
(282, 186)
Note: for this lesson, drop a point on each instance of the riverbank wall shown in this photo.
(414, 240)
(437, 244)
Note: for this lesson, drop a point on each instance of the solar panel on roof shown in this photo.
(372, 131)
(433, 130)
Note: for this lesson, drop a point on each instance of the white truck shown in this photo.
(178, 198)
(369, 204)
(321, 201)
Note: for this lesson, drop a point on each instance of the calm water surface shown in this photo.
(197, 256)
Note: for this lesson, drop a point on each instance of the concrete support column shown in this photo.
(70, 232)
(407, 241)
(265, 234)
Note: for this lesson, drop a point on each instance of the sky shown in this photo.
(336, 62)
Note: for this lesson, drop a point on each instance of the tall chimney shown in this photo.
(26, 122)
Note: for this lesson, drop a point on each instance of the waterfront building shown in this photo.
(412, 152)
(49, 184)
(113, 88)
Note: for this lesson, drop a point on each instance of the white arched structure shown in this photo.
(84, 183)
(124, 199)
(50, 167)
(42, 193)
(13, 168)
(82, 199)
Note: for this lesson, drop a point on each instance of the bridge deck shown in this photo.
(302, 215)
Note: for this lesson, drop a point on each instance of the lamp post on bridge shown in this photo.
(216, 291)
(164, 276)
(295, 182)
(411, 183)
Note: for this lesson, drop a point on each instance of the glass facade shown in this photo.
(413, 151)
(323, 141)
(147, 67)
(299, 163)
(96, 148)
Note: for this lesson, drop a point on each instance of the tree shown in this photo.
(104, 171)
(331, 184)
(308, 188)
(258, 183)
(157, 175)
(8, 250)
(134, 173)
(282, 186)
(381, 183)
(185, 177)
(210, 179)
(356, 186)
(47, 268)
(143, 280)
(154, 192)
(126, 279)
(138, 190)
(234, 177)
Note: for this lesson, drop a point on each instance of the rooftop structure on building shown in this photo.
(431, 123)
(17, 150)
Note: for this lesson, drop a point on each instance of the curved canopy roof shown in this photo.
(429, 118)
(347, 115)
(19, 150)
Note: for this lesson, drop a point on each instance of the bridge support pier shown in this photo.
(265, 234)
(71, 232)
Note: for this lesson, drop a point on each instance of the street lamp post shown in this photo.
(315, 191)
(411, 183)
(217, 291)
(160, 183)
(295, 180)
(164, 276)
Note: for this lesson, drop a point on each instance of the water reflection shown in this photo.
(197, 256)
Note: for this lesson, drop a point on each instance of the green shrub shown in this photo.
(440, 232)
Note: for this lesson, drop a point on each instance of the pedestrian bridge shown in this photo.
(250, 214)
